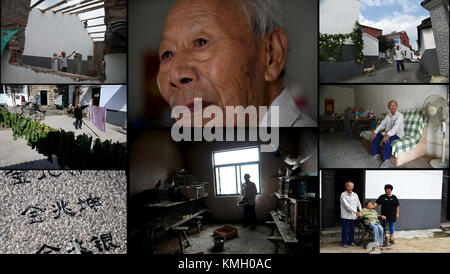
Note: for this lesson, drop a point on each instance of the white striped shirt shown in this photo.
(392, 124)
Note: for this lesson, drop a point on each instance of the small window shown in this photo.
(230, 167)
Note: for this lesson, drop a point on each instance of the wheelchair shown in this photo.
(364, 234)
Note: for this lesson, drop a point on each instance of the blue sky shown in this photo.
(394, 15)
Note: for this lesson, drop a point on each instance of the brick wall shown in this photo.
(440, 24)
(14, 14)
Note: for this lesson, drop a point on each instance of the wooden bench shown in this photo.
(182, 237)
(285, 231)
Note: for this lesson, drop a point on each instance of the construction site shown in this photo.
(63, 42)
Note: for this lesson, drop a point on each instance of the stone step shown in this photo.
(330, 236)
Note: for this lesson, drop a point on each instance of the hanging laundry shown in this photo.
(98, 117)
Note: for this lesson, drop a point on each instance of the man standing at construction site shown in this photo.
(63, 60)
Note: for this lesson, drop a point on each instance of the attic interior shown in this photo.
(185, 198)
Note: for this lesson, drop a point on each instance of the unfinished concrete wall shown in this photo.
(99, 47)
(24, 74)
(116, 41)
(16, 74)
(153, 156)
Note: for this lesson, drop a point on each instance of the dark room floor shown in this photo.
(248, 241)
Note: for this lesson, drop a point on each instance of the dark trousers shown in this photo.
(64, 69)
(78, 123)
(400, 63)
(348, 231)
(387, 147)
(249, 215)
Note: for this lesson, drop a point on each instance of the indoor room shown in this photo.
(350, 115)
(191, 198)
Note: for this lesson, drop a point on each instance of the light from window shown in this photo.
(230, 167)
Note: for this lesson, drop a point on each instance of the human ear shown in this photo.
(276, 49)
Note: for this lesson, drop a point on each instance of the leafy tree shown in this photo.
(385, 44)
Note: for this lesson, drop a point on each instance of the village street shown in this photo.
(389, 74)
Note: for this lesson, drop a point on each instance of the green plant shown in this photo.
(331, 45)
(72, 152)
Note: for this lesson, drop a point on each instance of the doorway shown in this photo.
(333, 184)
(43, 97)
(96, 96)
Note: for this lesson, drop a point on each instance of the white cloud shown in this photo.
(397, 22)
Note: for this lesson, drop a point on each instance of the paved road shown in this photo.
(114, 133)
(17, 154)
(390, 75)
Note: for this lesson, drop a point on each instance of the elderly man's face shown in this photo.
(349, 187)
(393, 107)
(207, 51)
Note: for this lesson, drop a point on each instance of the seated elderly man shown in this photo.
(228, 53)
(393, 130)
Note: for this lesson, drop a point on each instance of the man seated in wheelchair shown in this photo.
(371, 218)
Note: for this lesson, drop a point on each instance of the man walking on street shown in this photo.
(398, 57)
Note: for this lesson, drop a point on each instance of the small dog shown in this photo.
(371, 69)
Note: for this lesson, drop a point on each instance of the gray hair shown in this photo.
(263, 16)
(349, 182)
(391, 102)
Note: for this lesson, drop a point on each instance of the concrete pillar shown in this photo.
(77, 63)
(90, 66)
(440, 23)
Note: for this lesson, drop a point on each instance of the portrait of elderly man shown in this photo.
(392, 125)
(350, 211)
(229, 53)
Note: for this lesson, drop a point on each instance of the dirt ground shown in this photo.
(402, 245)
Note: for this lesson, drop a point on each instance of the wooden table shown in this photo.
(329, 123)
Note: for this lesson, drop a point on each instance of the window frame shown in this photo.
(236, 165)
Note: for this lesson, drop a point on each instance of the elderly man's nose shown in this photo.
(181, 74)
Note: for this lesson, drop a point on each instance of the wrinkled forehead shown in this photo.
(196, 15)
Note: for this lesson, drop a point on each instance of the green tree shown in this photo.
(385, 44)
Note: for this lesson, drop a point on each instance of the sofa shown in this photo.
(412, 145)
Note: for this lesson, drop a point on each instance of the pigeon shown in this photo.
(296, 162)
(280, 148)
(157, 185)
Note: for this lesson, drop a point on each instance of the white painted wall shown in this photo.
(337, 16)
(8, 98)
(408, 184)
(114, 97)
(426, 40)
(11, 74)
(116, 68)
(408, 53)
(48, 33)
(370, 45)
(343, 97)
(376, 98)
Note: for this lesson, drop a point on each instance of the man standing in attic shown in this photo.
(392, 125)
